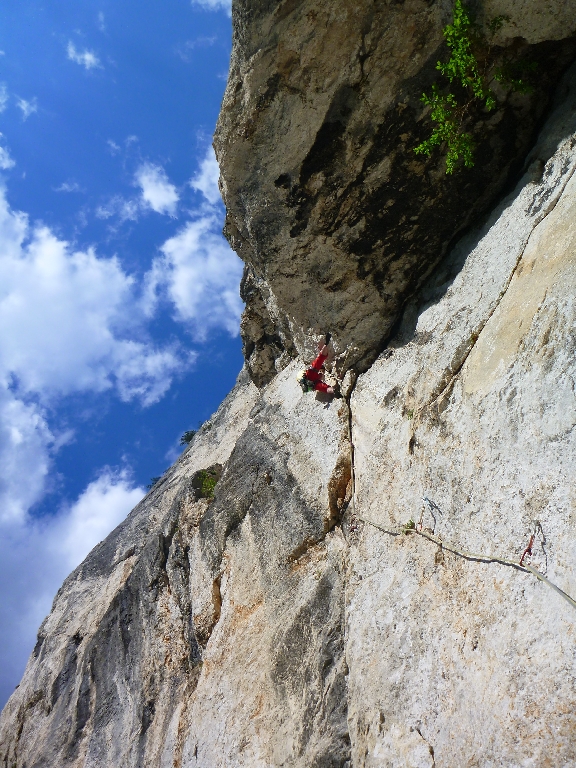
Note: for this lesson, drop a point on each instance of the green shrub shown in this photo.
(204, 481)
(187, 437)
(153, 482)
(207, 485)
(471, 68)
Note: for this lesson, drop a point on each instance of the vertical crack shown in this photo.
(430, 747)
(348, 401)
(346, 564)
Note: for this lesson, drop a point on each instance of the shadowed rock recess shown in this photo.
(241, 616)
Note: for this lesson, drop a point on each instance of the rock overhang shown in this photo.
(337, 219)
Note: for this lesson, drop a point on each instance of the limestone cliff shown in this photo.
(337, 219)
(270, 626)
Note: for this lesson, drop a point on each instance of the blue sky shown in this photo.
(119, 303)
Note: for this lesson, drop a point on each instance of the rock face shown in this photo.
(337, 219)
(270, 626)
(476, 410)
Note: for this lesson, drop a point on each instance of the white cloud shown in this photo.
(86, 58)
(157, 191)
(6, 161)
(206, 180)
(37, 554)
(200, 275)
(114, 148)
(125, 210)
(3, 96)
(214, 5)
(184, 50)
(69, 320)
(198, 272)
(98, 510)
(101, 22)
(28, 107)
(68, 186)
(25, 440)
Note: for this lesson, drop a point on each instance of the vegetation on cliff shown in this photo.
(470, 70)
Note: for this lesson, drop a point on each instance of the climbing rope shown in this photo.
(473, 555)
(520, 566)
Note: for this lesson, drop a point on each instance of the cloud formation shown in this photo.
(70, 322)
(25, 445)
(86, 58)
(157, 192)
(123, 209)
(206, 180)
(98, 510)
(37, 554)
(185, 50)
(68, 186)
(28, 107)
(67, 319)
(6, 161)
(199, 274)
(215, 5)
(3, 96)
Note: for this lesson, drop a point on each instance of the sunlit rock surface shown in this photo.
(475, 409)
(268, 626)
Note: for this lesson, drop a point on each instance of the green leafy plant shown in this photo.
(207, 485)
(204, 481)
(153, 482)
(187, 437)
(445, 112)
(471, 69)
(409, 526)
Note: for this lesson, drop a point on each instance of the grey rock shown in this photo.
(335, 216)
(271, 626)
(475, 408)
(138, 659)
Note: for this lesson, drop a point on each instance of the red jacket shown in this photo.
(314, 374)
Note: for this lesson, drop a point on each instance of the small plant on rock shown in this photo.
(469, 71)
(409, 526)
(153, 482)
(207, 485)
(204, 481)
(187, 437)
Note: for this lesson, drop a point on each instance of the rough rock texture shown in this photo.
(179, 640)
(269, 627)
(336, 218)
(475, 408)
(119, 652)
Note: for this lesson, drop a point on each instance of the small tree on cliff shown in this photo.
(472, 67)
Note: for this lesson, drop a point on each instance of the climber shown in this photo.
(310, 379)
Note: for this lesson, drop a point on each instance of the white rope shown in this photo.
(475, 556)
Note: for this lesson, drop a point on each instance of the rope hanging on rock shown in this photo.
(473, 555)
(411, 528)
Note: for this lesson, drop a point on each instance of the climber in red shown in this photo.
(311, 378)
